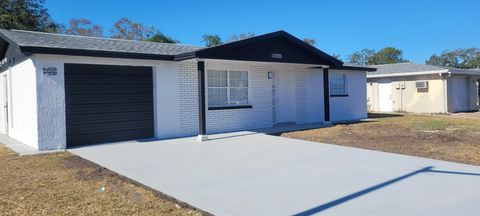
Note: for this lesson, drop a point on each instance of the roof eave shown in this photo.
(419, 73)
(94, 53)
(359, 68)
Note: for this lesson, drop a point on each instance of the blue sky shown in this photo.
(419, 27)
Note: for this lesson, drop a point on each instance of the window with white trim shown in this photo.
(227, 88)
(338, 84)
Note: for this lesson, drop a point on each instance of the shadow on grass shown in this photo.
(384, 115)
(352, 196)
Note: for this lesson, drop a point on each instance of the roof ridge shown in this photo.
(103, 38)
(409, 62)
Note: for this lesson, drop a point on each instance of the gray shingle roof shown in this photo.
(49, 40)
(403, 68)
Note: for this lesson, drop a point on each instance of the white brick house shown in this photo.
(61, 91)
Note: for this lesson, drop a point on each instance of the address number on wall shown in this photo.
(277, 56)
(50, 71)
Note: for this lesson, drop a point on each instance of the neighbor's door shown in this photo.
(385, 97)
(4, 105)
(284, 97)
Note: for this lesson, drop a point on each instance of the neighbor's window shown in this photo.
(227, 88)
(338, 84)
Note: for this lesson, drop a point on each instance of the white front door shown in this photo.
(284, 97)
(385, 97)
(4, 105)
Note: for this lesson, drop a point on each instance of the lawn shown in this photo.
(444, 137)
(64, 184)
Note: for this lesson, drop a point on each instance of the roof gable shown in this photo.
(274, 47)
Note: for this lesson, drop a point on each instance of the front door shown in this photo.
(385, 97)
(284, 97)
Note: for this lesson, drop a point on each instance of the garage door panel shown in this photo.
(75, 140)
(75, 109)
(109, 89)
(96, 118)
(106, 103)
(124, 126)
(107, 79)
(109, 99)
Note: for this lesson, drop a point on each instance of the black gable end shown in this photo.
(269, 50)
(274, 47)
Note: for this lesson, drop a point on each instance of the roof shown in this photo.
(278, 46)
(29, 41)
(409, 68)
(351, 66)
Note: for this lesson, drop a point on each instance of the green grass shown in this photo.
(431, 124)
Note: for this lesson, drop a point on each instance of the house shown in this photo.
(60, 91)
(419, 88)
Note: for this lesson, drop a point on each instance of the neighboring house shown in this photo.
(61, 91)
(419, 88)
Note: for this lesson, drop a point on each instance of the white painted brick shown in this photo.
(260, 97)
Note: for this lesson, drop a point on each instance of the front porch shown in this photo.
(282, 80)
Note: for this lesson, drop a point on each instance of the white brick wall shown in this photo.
(187, 76)
(260, 97)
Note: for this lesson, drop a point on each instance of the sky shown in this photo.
(418, 27)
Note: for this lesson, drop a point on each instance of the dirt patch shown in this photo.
(439, 137)
(65, 184)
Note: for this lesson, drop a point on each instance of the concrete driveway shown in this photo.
(255, 174)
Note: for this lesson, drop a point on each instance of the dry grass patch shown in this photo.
(439, 137)
(64, 184)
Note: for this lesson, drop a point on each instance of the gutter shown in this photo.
(409, 74)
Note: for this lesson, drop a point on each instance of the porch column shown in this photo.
(202, 134)
(326, 95)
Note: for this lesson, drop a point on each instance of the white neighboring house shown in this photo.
(61, 91)
(419, 88)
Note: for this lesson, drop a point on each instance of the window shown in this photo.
(338, 84)
(227, 88)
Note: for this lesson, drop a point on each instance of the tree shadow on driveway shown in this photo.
(347, 198)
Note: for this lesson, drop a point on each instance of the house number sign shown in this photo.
(277, 56)
(50, 71)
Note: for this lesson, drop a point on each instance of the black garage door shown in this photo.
(106, 103)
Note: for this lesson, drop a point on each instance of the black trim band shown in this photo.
(202, 127)
(326, 94)
(95, 53)
(339, 95)
(230, 107)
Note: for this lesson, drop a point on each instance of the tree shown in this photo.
(161, 38)
(387, 55)
(361, 57)
(310, 41)
(127, 29)
(212, 40)
(26, 15)
(337, 56)
(241, 36)
(83, 27)
(459, 58)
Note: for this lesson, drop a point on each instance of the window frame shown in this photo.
(345, 85)
(228, 88)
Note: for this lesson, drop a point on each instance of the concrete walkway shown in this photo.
(255, 174)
